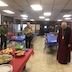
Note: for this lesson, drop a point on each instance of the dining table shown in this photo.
(51, 39)
(19, 39)
(19, 63)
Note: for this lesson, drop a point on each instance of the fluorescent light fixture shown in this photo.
(47, 13)
(36, 7)
(24, 16)
(45, 26)
(41, 17)
(2, 3)
(59, 20)
(9, 11)
(47, 19)
(67, 18)
(31, 19)
(67, 15)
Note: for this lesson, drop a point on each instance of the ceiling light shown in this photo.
(59, 20)
(47, 13)
(66, 15)
(24, 16)
(45, 26)
(41, 17)
(3, 4)
(36, 7)
(47, 19)
(31, 19)
(8, 11)
(67, 18)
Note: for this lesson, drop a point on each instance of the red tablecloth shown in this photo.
(19, 63)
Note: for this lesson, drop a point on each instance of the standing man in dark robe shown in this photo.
(64, 44)
(3, 32)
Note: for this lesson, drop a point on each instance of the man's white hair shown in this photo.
(64, 23)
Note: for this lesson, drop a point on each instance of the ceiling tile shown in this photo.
(17, 7)
(70, 2)
(55, 13)
(61, 2)
(47, 7)
(21, 2)
(3, 8)
(33, 1)
(69, 6)
(46, 2)
(65, 10)
(53, 16)
(57, 6)
(26, 8)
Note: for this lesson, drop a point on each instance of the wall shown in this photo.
(17, 21)
(7, 19)
(49, 24)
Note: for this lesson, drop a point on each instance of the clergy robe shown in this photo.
(64, 52)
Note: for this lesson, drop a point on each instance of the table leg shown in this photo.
(25, 69)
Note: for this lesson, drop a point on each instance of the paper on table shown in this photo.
(52, 35)
(52, 41)
(22, 36)
(55, 40)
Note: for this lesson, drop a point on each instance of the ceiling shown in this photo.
(57, 7)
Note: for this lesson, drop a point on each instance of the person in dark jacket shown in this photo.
(3, 32)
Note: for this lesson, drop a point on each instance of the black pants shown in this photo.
(3, 41)
(28, 41)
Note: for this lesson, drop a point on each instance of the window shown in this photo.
(24, 25)
(18, 27)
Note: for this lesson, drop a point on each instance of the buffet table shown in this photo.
(19, 63)
(51, 39)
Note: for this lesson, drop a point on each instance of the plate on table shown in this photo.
(6, 68)
(7, 51)
(19, 53)
(5, 58)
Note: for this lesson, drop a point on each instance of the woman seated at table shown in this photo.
(29, 34)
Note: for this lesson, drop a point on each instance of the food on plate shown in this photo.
(5, 58)
(20, 53)
(19, 47)
(1, 60)
(7, 51)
